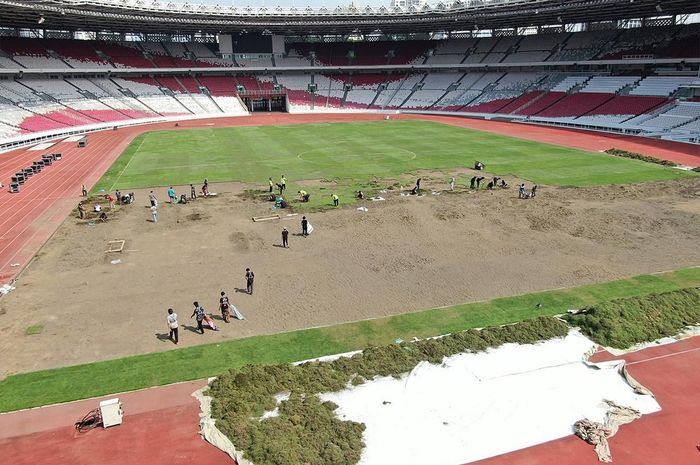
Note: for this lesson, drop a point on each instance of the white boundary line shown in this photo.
(127, 165)
(663, 356)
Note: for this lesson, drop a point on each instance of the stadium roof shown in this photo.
(153, 16)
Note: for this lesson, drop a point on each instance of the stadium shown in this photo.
(443, 233)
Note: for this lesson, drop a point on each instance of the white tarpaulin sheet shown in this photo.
(480, 405)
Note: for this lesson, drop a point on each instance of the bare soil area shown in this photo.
(404, 254)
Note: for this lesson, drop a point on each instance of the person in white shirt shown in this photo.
(172, 325)
(154, 214)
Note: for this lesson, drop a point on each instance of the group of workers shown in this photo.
(226, 308)
(304, 196)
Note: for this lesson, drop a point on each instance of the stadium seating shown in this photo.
(583, 45)
(678, 115)
(260, 61)
(608, 84)
(660, 42)
(661, 85)
(78, 53)
(124, 56)
(575, 105)
(219, 85)
(598, 99)
(538, 103)
(249, 83)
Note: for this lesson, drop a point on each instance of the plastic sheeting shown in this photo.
(480, 405)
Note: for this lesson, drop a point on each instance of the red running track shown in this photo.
(668, 437)
(161, 425)
(29, 218)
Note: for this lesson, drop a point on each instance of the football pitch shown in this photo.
(353, 155)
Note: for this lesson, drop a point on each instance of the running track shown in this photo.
(29, 218)
(668, 437)
(161, 424)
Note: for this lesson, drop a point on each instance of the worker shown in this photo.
(303, 195)
(249, 279)
(304, 226)
(285, 238)
(224, 306)
(152, 199)
(283, 183)
(336, 200)
(272, 184)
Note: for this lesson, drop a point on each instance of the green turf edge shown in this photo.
(622, 323)
(126, 374)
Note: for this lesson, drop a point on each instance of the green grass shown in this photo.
(34, 329)
(622, 323)
(306, 429)
(82, 381)
(354, 154)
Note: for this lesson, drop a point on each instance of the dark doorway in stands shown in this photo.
(265, 103)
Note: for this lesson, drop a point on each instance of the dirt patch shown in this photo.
(196, 216)
(404, 254)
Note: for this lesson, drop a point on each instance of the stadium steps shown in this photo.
(628, 88)
(438, 103)
(656, 111)
(126, 115)
(56, 55)
(9, 57)
(170, 93)
(575, 89)
(602, 50)
(417, 86)
(45, 116)
(199, 85)
(593, 110)
(124, 96)
(432, 105)
(211, 99)
(90, 96)
(379, 91)
(127, 92)
(105, 57)
(79, 115)
(466, 54)
(526, 104)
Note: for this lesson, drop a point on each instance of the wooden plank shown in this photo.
(266, 218)
(115, 246)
